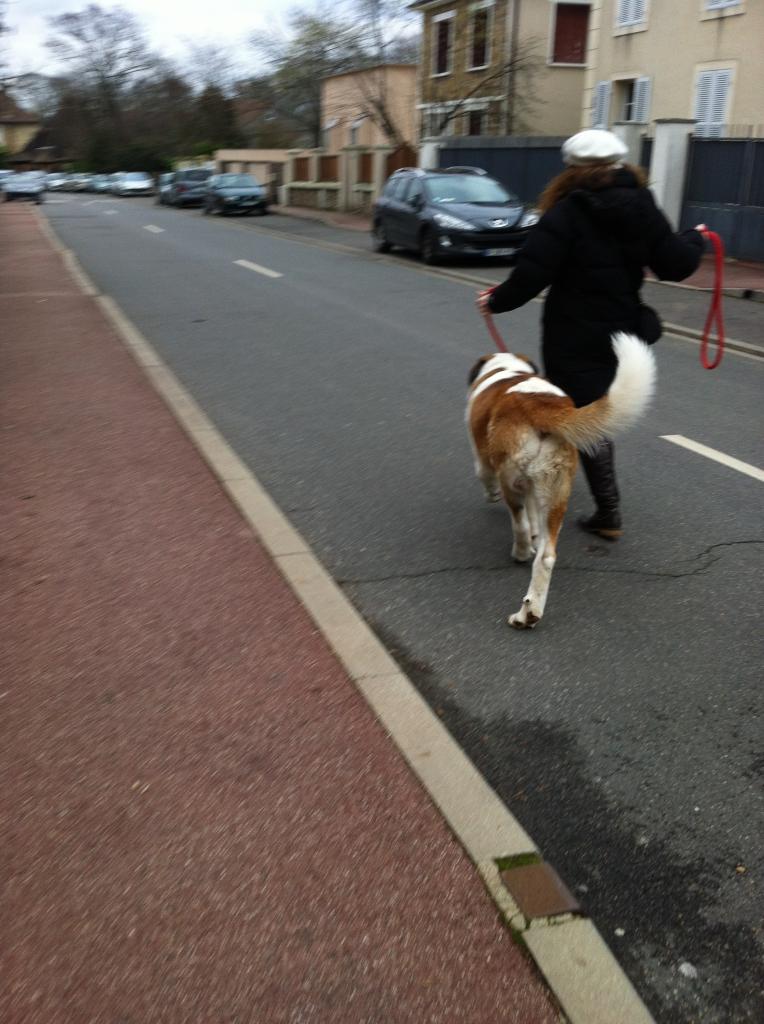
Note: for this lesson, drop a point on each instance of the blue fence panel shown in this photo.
(524, 170)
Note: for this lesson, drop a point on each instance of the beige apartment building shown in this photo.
(663, 59)
(370, 107)
(499, 67)
(17, 126)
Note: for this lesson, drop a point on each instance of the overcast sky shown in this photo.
(169, 24)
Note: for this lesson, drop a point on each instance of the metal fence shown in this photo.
(725, 189)
(523, 165)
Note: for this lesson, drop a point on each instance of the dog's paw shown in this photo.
(525, 618)
(493, 496)
(522, 554)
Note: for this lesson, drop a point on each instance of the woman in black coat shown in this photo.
(600, 227)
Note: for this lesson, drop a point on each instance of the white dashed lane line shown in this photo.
(153, 229)
(257, 268)
(712, 453)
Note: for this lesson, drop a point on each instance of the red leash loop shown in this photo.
(715, 312)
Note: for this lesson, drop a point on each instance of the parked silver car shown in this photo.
(135, 183)
(56, 181)
(25, 185)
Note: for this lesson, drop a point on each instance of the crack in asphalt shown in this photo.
(645, 574)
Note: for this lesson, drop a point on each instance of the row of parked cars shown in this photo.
(215, 193)
(197, 186)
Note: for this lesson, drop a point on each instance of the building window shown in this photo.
(443, 38)
(326, 132)
(715, 5)
(601, 105)
(712, 89)
(571, 29)
(480, 35)
(630, 12)
(354, 130)
(633, 99)
(475, 122)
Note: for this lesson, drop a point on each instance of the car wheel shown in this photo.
(379, 238)
(428, 247)
(205, 209)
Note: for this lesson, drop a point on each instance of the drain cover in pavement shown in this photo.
(539, 891)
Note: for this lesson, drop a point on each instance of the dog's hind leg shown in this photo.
(522, 549)
(487, 477)
(533, 517)
(534, 601)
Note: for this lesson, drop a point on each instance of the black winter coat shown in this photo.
(590, 249)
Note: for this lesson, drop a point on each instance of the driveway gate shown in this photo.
(725, 189)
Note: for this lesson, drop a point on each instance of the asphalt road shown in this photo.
(625, 732)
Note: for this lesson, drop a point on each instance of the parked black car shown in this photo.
(456, 211)
(234, 193)
(187, 188)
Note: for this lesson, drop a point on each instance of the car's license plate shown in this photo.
(500, 252)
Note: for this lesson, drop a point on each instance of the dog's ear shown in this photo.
(477, 368)
(529, 362)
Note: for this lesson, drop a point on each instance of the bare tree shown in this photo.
(105, 49)
(385, 36)
(318, 45)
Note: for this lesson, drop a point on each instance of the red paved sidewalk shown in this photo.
(202, 821)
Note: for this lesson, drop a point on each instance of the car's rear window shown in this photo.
(198, 175)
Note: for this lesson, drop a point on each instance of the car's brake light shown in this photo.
(182, 188)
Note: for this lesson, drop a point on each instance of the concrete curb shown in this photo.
(690, 334)
(327, 218)
(577, 964)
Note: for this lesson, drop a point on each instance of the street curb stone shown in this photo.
(586, 979)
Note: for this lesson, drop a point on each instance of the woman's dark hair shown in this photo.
(592, 177)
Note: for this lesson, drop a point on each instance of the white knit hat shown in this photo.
(593, 146)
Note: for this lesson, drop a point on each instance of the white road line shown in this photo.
(109, 213)
(712, 453)
(257, 268)
(153, 228)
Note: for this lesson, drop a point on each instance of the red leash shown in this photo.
(714, 313)
(492, 329)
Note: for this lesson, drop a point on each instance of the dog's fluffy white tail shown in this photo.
(625, 402)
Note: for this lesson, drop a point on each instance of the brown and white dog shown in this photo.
(526, 434)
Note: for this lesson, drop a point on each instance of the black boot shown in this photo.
(600, 475)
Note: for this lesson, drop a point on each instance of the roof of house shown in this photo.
(12, 113)
(363, 69)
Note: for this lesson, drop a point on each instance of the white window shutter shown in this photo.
(622, 12)
(642, 90)
(723, 80)
(711, 96)
(601, 105)
(704, 87)
(638, 11)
